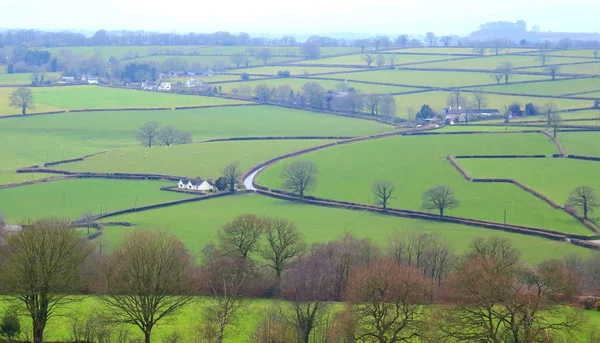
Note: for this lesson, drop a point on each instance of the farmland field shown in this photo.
(24, 78)
(493, 62)
(190, 160)
(417, 163)
(71, 198)
(6, 109)
(456, 50)
(557, 87)
(358, 59)
(581, 143)
(584, 68)
(295, 71)
(205, 79)
(207, 61)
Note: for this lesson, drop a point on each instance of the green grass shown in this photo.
(6, 109)
(492, 62)
(119, 52)
(557, 87)
(23, 78)
(296, 71)
(553, 177)
(190, 160)
(415, 163)
(437, 101)
(474, 127)
(34, 140)
(581, 143)
(71, 198)
(429, 78)
(575, 53)
(206, 61)
(357, 59)
(456, 50)
(297, 83)
(587, 68)
(318, 224)
(215, 78)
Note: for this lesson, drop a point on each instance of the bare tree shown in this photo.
(479, 50)
(284, 245)
(41, 265)
(543, 57)
(446, 40)
(583, 197)
(439, 198)
(380, 60)
(497, 75)
(555, 121)
(552, 70)
(372, 103)
(21, 98)
(240, 237)
(431, 38)
(506, 68)
(499, 45)
(387, 106)
(410, 112)
(86, 219)
(392, 59)
(547, 111)
(368, 58)
(455, 99)
(402, 40)
(383, 191)
(264, 54)
(147, 279)
(299, 177)
(238, 58)
(147, 133)
(231, 173)
(479, 98)
(169, 135)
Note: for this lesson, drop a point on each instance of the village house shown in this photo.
(92, 80)
(193, 83)
(68, 79)
(149, 85)
(197, 185)
(164, 86)
(459, 114)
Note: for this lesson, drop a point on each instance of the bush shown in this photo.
(10, 325)
(283, 73)
(245, 76)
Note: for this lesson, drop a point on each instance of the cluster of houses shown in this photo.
(197, 185)
(84, 79)
(455, 115)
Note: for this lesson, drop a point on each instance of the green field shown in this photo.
(24, 78)
(296, 71)
(581, 143)
(556, 87)
(430, 78)
(71, 198)
(358, 59)
(586, 68)
(205, 79)
(190, 160)
(492, 62)
(297, 83)
(480, 126)
(207, 61)
(416, 163)
(119, 52)
(575, 53)
(456, 50)
(553, 177)
(6, 109)
(318, 224)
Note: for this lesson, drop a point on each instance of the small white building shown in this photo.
(164, 86)
(193, 83)
(149, 85)
(196, 185)
(92, 80)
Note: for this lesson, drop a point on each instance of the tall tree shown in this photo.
(543, 57)
(439, 198)
(479, 98)
(22, 99)
(506, 68)
(314, 94)
(372, 102)
(548, 110)
(147, 133)
(146, 279)
(555, 121)
(284, 245)
(41, 265)
(431, 38)
(497, 75)
(368, 58)
(402, 41)
(231, 173)
(446, 40)
(387, 106)
(238, 58)
(380, 60)
(264, 54)
(299, 177)
(169, 135)
(383, 191)
(552, 70)
(240, 237)
(585, 198)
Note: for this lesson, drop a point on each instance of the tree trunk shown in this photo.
(147, 334)
(585, 210)
(441, 212)
(24, 110)
(38, 331)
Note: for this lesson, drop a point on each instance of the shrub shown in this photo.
(245, 76)
(10, 325)
(283, 73)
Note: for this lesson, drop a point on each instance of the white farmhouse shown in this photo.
(164, 86)
(92, 80)
(193, 83)
(196, 185)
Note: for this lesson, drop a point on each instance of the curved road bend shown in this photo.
(250, 178)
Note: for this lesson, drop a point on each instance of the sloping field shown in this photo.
(493, 62)
(358, 59)
(294, 71)
(24, 78)
(557, 87)
(581, 143)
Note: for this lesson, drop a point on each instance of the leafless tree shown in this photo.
(479, 98)
(238, 58)
(299, 177)
(499, 45)
(392, 59)
(147, 133)
(402, 40)
(284, 94)
(543, 57)
(284, 245)
(372, 103)
(439, 198)
(387, 302)
(313, 92)
(41, 264)
(455, 99)
(169, 135)
(552, 70)
(383, 191)
(446, 40)
(431, 38)
(380, 60)
(583, 197)
(264, 54)
(87, 218)
(555, 121)
(146, 279)
(387, 106)
(37, 76)
(368, 58)
(497, 75)
(479, 50)
(22, 99)
(240, 237)
(547, 111)
(506, 68)
(273, 329)
(410, 112)
(231, 173)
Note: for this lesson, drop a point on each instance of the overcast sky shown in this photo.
(303, 17)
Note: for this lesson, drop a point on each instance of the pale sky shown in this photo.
(303, 17)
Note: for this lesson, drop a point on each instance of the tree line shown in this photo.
(412, 289)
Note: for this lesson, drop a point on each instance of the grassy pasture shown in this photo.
(35, 140)
(429, 78)
(492, 62)
(318, 224)
(477, 128)
(556, 87)
(297, 83)
(206, 61)
(581, 143)
(70, 198)
(6, 109)
(437, 101)
(553, 177)
(190, 160)
(357, 59)
(587, 68)
(277, 50)
(216, 78)
(297, 71)
(24, 78)
(119, 52)
(457, 50)
(415, 163)
(575, 53)
(585, 114)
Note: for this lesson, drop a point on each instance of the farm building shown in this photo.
(193, 83)
(197, 185)
(164, 86)
(92, 80)
(149, 85)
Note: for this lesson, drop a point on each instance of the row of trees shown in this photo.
(151, 134)
(413, 289)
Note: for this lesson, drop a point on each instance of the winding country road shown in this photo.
(249, 180)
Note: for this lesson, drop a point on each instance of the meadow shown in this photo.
(415, 163)
(294, 71)
(357, 59)
(556, 87)
(24, 78)
(589, 53)
(205, 79)
(492, 62)
(431, 78)
(586, 68)
(6, 109)
(457, 50)
(208, 62)
(71, 198)
(190, 160)
(553, 177)
(581, 143)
